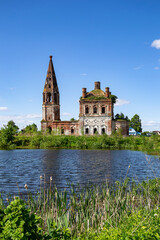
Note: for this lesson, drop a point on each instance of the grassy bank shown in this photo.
(150, 145)
(123, 211)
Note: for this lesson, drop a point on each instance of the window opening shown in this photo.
(87, 131)
(55, 98)
(87, 110)
(103, 130)
(49, 129)
(72, 130)
(95, 130)
(103, 109)
(49, 97)
(95, 110)
(62, 130)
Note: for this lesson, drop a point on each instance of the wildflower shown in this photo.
(51, 178)
(26, 186)
(7, 199)
(41, 177)
(129, 166)
(155, 214)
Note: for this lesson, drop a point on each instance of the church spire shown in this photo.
(51, 77)
(51, 107)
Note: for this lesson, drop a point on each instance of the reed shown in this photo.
(87, 212)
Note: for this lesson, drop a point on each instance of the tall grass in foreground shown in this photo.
(123, 211)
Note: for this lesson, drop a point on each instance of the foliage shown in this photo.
(56, 232)
(72, 119)
(1, 218)
(135, 123)
(30, 129)
(139, 225)
(94, 98)
(7, 135)
(147, 144)
(121, 211)
(121, 116)
(113, 98)
(19, 223)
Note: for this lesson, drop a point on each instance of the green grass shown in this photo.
(122, 211)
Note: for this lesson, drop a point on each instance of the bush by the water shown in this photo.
(120, 211)
(116, 141)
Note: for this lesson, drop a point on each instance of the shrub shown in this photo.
(19, 223)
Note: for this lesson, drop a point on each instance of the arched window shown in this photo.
(103, 130)
(86, 110)
(87, 131)
(62, 130)
(103, 110)
(72, 130)
(95, 130)
(49, 129)
(94, 109)
(49, 97)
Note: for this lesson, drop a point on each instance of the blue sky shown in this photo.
(116, 42)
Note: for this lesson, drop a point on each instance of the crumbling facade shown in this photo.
(96, 113)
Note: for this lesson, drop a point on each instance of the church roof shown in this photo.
(51, 81)
(97, 93)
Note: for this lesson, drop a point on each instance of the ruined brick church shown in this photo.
(96, 114)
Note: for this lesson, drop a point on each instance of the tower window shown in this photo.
(87, 110)
(94, 109)
(62, 130)
(72, 130)
(103, 110)
(87, 131)
(55, 97)
(49, 97)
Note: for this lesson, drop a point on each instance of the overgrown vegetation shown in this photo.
(122, 211)
(37, 139)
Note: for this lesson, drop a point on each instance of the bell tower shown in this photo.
(50, 106)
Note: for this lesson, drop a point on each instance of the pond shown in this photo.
(78, 167)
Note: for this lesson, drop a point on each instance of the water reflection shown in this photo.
(19, 167)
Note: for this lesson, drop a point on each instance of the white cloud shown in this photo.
(138, 67)
(156, 44)
(121, 102)
(156, 68)
(3, 108)
(66, 114)
(151, 125)
(21, 120)
(83, 74)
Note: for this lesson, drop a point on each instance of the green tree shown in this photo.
(32, 128)
(136, 123)
(7, 134)
(121, 116)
